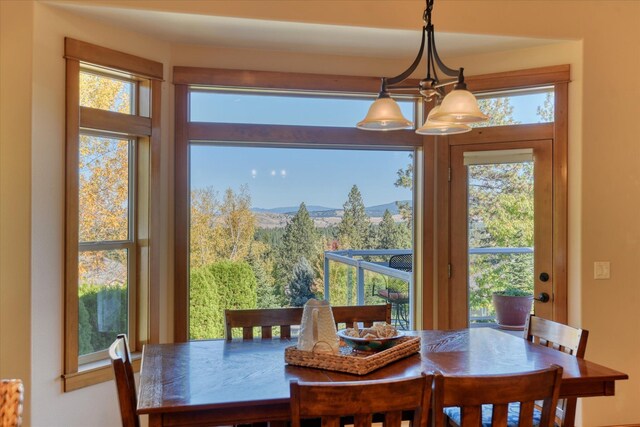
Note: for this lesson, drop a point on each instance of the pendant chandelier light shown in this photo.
(454, 111)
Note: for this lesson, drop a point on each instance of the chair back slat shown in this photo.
(500, 415)
(361, 399)
(469, 393)
(392, 419)
(125, 382)
(267, 318)
(471, 415)
(330, 422)
(526, 414)
(247, 333)
(563, 338)
(362, 420)
(266, 332)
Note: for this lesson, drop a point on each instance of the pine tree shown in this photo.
(499, 110)
(299, 289)
(405, 180)
(300, 239)
(545, 112)
(390, 234)
(355, 228)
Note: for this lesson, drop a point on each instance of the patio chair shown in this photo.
(11, 397)
(361, 399)
(497, 400)
(267, 318)
(402, 262)
(563, 338)
(125, 383)
(399, 300)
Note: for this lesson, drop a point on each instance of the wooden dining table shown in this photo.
(235, 382)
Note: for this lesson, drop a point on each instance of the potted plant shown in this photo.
(513, 306)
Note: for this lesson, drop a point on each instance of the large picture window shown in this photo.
(112, 107)
(282, 200)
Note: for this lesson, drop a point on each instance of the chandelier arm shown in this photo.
(402, 77)
(448, 71)
(430, 62)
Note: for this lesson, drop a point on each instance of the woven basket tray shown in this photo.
(351, 362)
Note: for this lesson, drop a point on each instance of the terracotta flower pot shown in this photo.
(512, 311)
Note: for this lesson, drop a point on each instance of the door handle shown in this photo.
(543, 297)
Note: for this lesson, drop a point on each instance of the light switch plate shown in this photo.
(601, 270)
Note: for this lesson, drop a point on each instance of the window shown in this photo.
(111, 110)
(517, 107)
(279, 198)
(283, 108)
(272, 227)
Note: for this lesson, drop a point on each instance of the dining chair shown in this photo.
(125, 383)
(563, 338)
(11, 397)
(497, 400)
(332, 402)
(284, 318)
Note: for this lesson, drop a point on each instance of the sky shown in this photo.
(283, 177)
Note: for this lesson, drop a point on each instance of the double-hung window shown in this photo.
(112, 129)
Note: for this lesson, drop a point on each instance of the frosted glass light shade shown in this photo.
(459, 106)
(432, 127)
(384, 114)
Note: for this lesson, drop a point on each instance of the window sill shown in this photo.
(95, 373)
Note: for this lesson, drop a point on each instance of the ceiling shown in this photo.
(234, 32)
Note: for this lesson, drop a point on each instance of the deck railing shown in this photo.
(348, 257)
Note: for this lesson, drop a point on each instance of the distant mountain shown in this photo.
(322, 216)
(291, 209)
(316, 211)
(378, 210)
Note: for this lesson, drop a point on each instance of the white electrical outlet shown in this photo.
(601, 270)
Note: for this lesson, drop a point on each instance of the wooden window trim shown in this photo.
(94, 118)
(558, 77)
(265, 135)
(432, 155)
(147, 130)
(113, 59)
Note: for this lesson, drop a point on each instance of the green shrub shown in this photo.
(102, 315)
(224, 284)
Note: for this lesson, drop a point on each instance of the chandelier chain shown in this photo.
(426, 17)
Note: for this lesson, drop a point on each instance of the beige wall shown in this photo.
(50, 406)
(16, 34)
(604, 181)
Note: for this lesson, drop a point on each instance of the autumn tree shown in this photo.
(103, 215)
(205, 208)
(220, 230)
(354, 230)
(103, 165)
(237, 225)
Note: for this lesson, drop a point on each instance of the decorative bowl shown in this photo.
(369, 344)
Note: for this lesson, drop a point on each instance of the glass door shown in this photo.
(501, 234)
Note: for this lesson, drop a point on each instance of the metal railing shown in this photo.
(347, 257)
